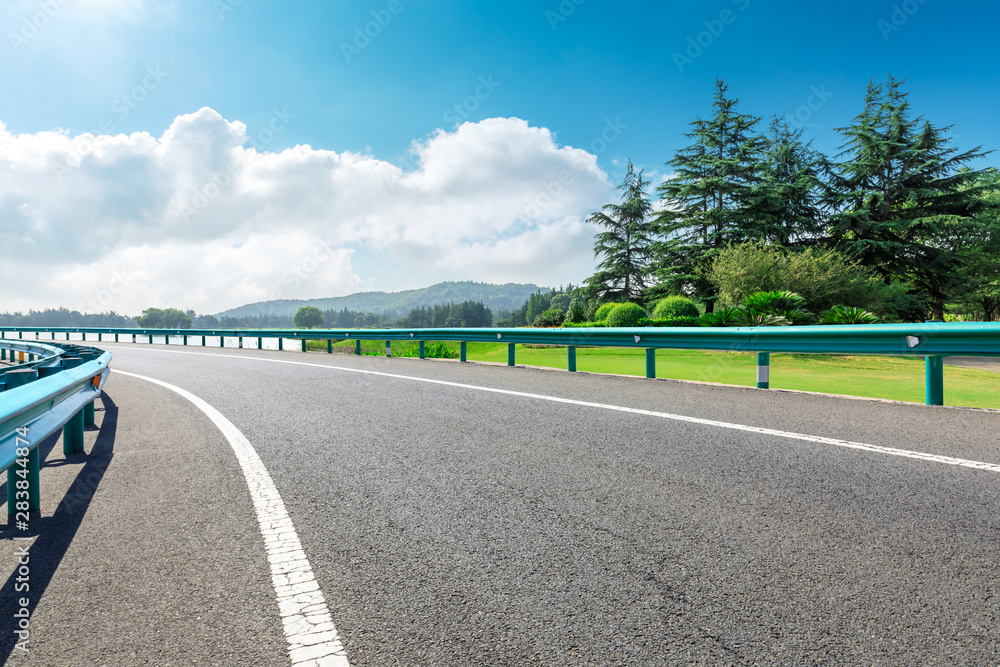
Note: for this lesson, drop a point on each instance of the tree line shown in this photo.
(897, 221)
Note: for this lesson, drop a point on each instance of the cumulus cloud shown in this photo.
(202, 218)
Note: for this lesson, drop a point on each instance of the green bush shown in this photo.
(584, 325)
(824, 278)
(774, 301)
(758, 318)
(848, 315)
(675, 306)
(602, 312)
(626, 315)
(734, 316)
(729, 316)
(671, 322)
(780, 303)
(577, 311)
(550, 318)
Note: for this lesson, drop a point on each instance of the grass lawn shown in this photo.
(895, 378)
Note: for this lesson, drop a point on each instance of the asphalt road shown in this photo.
(448, 525)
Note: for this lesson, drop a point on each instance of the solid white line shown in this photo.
(891, 451)
(312, 638)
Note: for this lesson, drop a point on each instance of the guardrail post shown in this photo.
(388, 348)
(462, 349)
(116, 337)
(571, 358)
(281, 344)
(329, 346)
(185, 340)
(222, 340)
(935, 380)
(30, 473)
(260, 342)
(650, 362)
(510, 354)
(763, 370)
(357, 346)
(241, 342)
(303, 344)
(73, 429)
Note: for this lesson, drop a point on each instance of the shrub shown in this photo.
(774, 301)
(626, 315)
(823, 277)
(675, 306)
(602, 312)
(780, 303)
(552, 317)
(584, 325)
(757, 318)
(848, 315)
(671, 322)
(576, 312)
(728, 316)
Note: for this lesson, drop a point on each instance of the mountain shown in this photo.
(498, 297)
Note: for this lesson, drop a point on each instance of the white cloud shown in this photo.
(196, 219)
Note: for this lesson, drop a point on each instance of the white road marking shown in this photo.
(312, 638)
(891, 451)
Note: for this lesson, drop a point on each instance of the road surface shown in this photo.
(470, 514)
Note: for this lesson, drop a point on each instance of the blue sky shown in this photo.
(593, 82)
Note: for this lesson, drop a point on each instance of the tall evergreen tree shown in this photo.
(710, 201)
(625, 243)
(903, 202)
(786, 201)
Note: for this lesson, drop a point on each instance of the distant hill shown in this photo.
(498, 297)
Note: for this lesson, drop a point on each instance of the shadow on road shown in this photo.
(54, 534)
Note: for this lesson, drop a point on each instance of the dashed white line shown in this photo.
(891, 451)
(312, 637)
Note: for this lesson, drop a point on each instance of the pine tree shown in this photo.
(710, 201)
(625, 243)
(786, 201)
(903, 202)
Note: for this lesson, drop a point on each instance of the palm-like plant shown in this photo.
(848, 315)
(781, 303)
(730, 316)
(757, 318)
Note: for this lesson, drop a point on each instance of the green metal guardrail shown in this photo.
(54, 387)
(934, 341)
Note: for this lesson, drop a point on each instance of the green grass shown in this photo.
(894, 378)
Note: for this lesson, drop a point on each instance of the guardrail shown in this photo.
(933, 341)
(52, 387)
